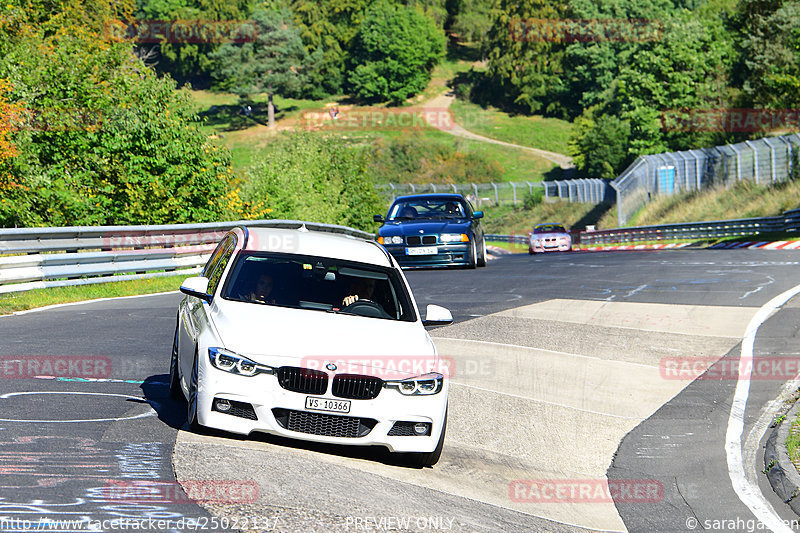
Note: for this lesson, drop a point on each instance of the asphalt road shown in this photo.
(102, 447)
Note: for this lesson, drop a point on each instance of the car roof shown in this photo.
(317, 244)
(442, 196)
(548, 224)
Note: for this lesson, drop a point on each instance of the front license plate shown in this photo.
(325, 404)
(422, 250)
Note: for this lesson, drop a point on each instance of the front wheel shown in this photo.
(174, 378)
(191, 411)
(482, 256)
(473, 255)
(423, 459)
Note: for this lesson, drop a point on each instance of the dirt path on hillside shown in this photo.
(443, 102)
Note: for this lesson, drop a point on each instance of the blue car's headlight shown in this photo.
(454, 237)
(236, 364)
(420, 386)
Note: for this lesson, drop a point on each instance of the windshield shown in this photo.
(320, 284)
(550, 228)
(427, 208)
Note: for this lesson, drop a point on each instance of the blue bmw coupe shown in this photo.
(433, 230)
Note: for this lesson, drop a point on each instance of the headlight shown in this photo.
(419, 386)
(236, 364)
(397, 239)
(454, 237)
(390, 240)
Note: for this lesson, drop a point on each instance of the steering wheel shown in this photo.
(366, 307)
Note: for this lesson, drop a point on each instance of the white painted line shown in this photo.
(546, 402)
(151, 412)
(748, 493)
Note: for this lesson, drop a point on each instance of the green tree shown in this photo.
(471, 19)
(394, 53)
(190, 61)
(770, 51)
(276, 62)
(524, 56)
(600, 146)
(100, 139)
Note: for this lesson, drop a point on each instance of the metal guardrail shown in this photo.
(589, 190)
(788, 222)
(33, 258)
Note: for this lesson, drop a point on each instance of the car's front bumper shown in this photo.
(446, 255)
(265, 395)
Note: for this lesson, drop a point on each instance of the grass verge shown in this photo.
(510, 246)
(549, 134)
(793, 441)
(21, 301)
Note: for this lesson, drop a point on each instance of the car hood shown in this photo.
(278, 336)
(411, 227)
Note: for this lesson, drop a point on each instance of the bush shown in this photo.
(100, 139)
(531, 200)
(305, 176)
(418, 159)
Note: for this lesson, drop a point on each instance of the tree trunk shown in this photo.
(270, 112)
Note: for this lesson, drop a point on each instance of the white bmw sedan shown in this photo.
(312, 336)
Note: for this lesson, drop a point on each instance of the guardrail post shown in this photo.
(393, 195)
(477, 198)
(453, 185)
(433, 187)
(413, 189)
(773, 174)
(738, 162)
(496, 195)
(514, 189)
(755, 159)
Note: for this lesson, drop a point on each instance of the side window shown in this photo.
(219, 267)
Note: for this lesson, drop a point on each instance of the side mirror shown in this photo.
(477, 214)
(197, 287)
(436, 315)
(377, 218)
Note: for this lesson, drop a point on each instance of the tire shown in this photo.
(530, 251)
(482, 257)
(191, 404)
(473, 256)
(175, 390)
(423, 459)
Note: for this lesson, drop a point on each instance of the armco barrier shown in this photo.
(32, 258)
(788, 222)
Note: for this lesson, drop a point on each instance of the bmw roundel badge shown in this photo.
(331, 367)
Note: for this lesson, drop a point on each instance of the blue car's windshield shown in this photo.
(427, 209)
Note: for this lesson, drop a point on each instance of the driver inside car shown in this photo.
(360, 289)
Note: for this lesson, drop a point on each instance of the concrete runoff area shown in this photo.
(518, 412)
